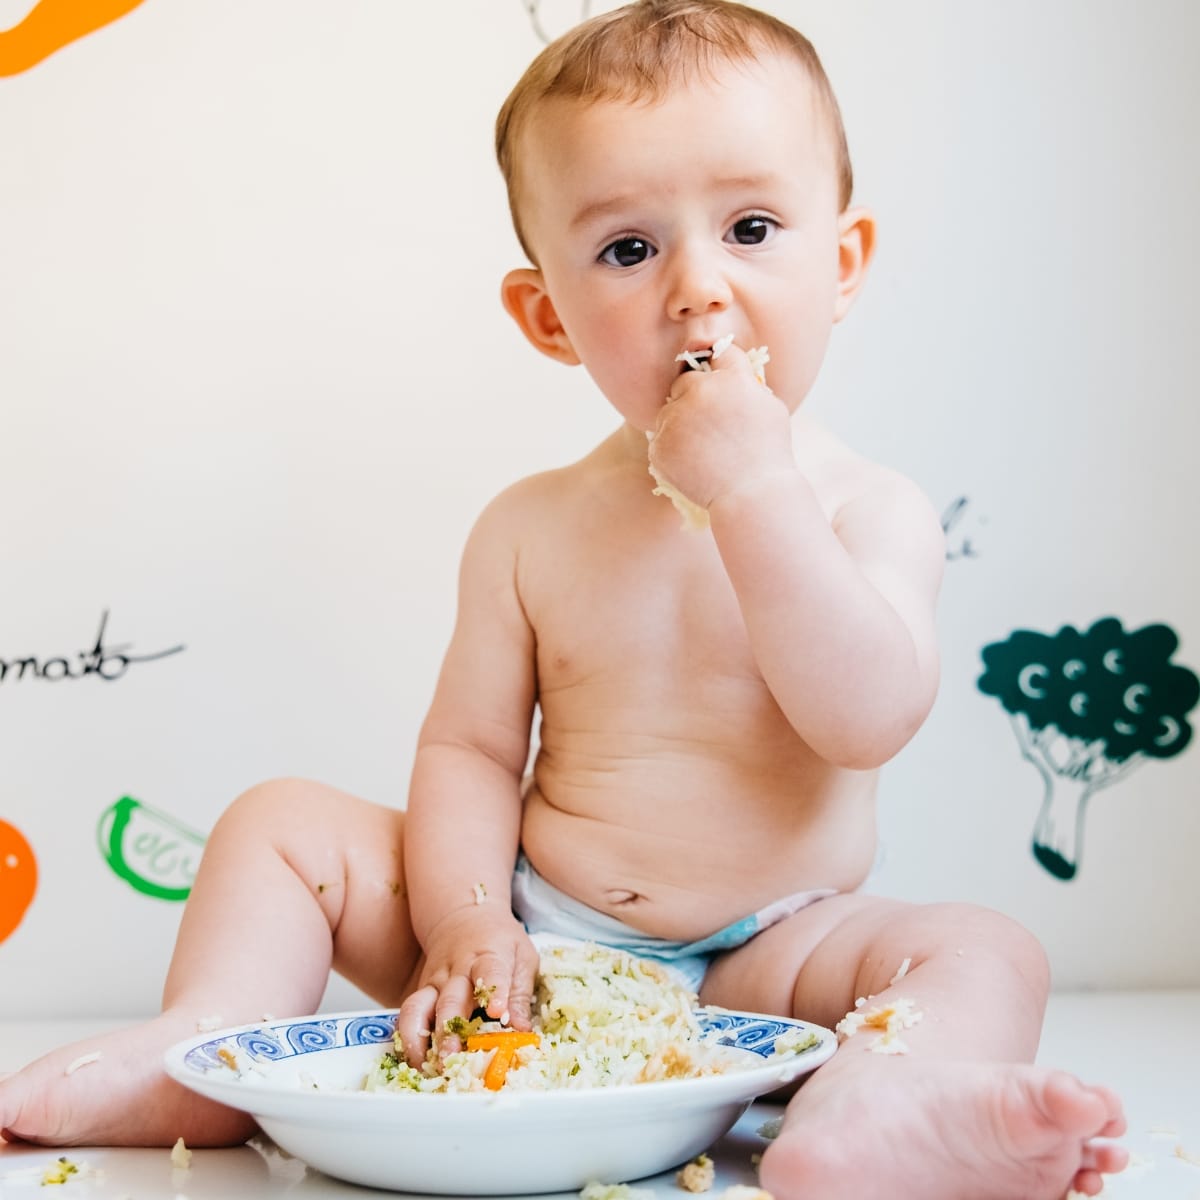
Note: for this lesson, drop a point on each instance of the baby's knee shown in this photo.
(970, 930)
(266, 804)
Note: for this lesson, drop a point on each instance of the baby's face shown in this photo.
(661, 227)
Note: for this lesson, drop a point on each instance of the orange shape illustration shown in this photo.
(18, 877)
(53, 24)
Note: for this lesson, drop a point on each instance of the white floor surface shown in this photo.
(1144, 1044)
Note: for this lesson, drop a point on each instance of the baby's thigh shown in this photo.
(347, 853)
(807, 965)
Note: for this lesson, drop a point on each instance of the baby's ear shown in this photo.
(856, 245)
(524, 294)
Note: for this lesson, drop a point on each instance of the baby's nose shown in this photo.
(697, 286)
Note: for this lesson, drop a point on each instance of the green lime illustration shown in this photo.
(155, 854)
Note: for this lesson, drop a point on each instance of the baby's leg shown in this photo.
(296, 878)
(962, 1112)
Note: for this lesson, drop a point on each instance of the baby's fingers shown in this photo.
(414, 1022)
(520, 996)
(504, 983)
(455, 999)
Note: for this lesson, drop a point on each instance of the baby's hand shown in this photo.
(719, 429)
(478, 956)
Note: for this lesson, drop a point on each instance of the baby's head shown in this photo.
(638, 54)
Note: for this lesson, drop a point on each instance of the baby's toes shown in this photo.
(1087, 1183)
(1116, 1125)
(1072, 1108)
(1106, 1157)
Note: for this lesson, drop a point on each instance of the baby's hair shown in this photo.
(639, 52)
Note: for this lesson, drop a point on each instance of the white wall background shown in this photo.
(255, 385)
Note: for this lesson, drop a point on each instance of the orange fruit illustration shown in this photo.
(53, 24)
(18, 877)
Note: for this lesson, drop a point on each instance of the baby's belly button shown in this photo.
(621, 896)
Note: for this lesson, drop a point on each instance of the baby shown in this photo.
(714, 705)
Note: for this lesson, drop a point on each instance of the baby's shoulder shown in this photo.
(856, 490)
(529, 508)
(535, 494)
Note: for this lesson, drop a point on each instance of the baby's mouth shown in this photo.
(694, 360)
(700, 360)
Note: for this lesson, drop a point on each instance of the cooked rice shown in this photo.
(84, 1060)
(605, 1018)
(891, 1019)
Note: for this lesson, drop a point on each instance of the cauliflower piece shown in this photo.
(697, 1175)
(614, 1191)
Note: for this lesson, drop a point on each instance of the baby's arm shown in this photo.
(464, 807)
(840, 615)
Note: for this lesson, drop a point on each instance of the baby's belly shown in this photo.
(680, 841)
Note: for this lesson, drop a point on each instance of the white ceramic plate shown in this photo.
(470, 1144)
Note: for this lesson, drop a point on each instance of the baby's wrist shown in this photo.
(771, 487)
(487, 909)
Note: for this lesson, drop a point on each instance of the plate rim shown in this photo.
(256, 1098)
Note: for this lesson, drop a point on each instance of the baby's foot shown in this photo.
(942, 1131)
(122, 1098)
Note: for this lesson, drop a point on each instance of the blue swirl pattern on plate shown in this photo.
(290, 1039)
(754, 1033)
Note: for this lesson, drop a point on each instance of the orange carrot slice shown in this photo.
(505, 1042)
(497, 1069)
(502, 1037)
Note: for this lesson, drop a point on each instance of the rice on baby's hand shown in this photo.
(695, 517)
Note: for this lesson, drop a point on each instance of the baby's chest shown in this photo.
(639, 620)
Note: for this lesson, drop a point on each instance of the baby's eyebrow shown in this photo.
(611, 205)
(748, 183)
(599, 209)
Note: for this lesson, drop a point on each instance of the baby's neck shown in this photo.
(634, 444)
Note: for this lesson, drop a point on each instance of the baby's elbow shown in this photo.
(868, 744)
(858, 755)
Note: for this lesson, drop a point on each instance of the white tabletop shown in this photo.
(1145, 1044)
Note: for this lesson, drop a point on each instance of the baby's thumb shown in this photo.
(728, 356)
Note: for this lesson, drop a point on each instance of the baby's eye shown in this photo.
(751, 231)
(627, 252)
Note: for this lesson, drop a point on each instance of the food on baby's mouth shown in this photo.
(601, 1018)
(695, 517)
(700, 360)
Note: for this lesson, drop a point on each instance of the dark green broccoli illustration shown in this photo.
(1087, 708)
